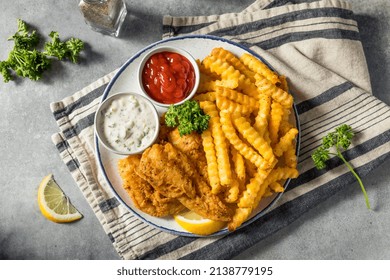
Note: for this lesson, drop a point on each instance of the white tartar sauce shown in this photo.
(128, 124)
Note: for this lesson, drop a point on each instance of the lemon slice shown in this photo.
(54, 204)
(196, 224)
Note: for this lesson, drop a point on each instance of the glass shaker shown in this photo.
(105, 16)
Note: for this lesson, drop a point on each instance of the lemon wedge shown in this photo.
(54, 204)
(196, 224)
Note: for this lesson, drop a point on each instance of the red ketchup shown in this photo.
(168, 77)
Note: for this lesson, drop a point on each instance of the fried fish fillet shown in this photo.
(186, 143)
(143, 195)
(191, 145)
(170, 171)
(163, 174)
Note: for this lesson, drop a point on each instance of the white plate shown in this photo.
(126, 80)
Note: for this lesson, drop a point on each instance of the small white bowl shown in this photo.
(151, 114)
(182, 52)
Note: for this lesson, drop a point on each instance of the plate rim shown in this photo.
(106, 92)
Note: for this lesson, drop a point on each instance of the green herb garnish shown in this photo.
(25, 60)
(23, 39)
(69, 49)
(339, 141)
(188, 117)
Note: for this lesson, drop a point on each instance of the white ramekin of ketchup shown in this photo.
(168, 75)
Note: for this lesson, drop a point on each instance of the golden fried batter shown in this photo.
(191, 145)
(143, 195)
(170, 172)
(186, 143)
(163, 174)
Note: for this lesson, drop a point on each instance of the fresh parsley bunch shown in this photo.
(333, 144)
(25, 60)
(188, 117)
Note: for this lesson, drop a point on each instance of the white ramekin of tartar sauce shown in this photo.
(126, 123)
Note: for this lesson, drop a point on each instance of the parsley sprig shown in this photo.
(333, 144)
(25, 60)
(69, 49)
(188, 117)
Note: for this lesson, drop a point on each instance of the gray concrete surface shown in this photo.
(339, 228)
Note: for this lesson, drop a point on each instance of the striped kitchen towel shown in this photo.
(317, 46)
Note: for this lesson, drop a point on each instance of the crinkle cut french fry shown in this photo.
(262, 118)
(211, 158)
(276, 187)
(238, 97)
(259, 67)
(233, 191)
(274, 122)
(289, 156)
(224, 103)
(232, 84)
(277, 94)
(285, 124)
(250, 168)
(223, 54)
(205, 86)
(207, 96)
(240, 216)
(254, 138)
(248, 197)
(206, 72)
(220, 142)
(284, 127)
(283, 83)
(239, 164)
(286, 114)
(245, 150)
(228, 72)
(222, 68)
(285, 142)
(268, 192)
(277, 174)
(247, 87)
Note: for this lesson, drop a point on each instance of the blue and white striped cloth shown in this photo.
(317, 46)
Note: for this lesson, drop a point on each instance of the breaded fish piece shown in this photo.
(143, 195)
(163, 174)
(185, 143)
(164, 165)
(191, 145)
